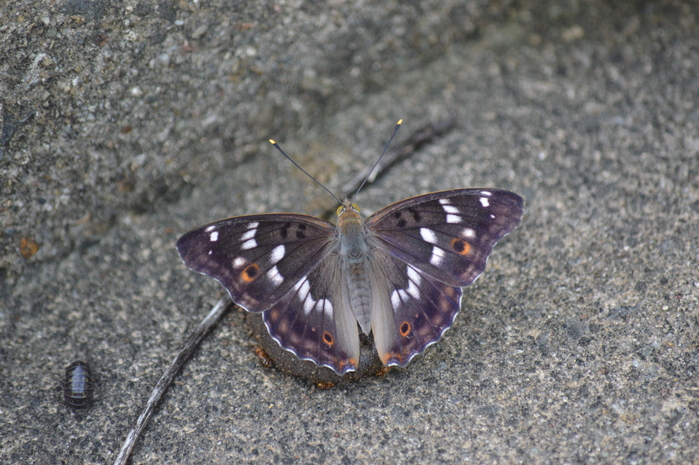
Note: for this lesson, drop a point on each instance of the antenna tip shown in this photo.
(400, 121)
(272, 141)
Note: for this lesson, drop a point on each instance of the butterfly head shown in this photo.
(350, 226)
(347, 206)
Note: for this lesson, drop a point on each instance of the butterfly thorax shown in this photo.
(354, 259)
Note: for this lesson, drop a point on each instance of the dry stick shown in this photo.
(417, 140)
(164, 383)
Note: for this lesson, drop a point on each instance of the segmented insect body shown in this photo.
(78, 385)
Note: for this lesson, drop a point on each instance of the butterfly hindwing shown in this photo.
(314, 321)
(414, 312)
(258, 258)
(447, 235)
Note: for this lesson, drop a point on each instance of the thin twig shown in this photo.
(164, 383)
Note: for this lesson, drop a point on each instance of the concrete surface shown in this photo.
(126, 124)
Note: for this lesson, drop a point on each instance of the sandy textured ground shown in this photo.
(125, 124)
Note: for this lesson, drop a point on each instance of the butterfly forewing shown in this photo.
(447, 235)
(258, 258)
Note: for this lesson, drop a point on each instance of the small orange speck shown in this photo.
(28, 247)
(382, 371)
(244, 26)
(450, 292)
(352, 362)
(273, 314)
(392, 357)
(265, 359)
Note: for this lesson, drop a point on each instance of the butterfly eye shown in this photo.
(343, 208)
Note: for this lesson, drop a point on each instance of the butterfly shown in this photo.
(396, 275)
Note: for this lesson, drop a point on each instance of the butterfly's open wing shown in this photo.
(314, 320)
(258, 258)
(449, 234)
(427, 247)
(412, 309)
(282, 265)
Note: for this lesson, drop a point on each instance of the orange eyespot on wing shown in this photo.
(328, 339)
(250, 272)
(461, 247)
(405, 329)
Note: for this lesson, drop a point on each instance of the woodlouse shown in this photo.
(78, 385)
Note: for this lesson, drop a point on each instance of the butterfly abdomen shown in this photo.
(354, 257)
(358, 288)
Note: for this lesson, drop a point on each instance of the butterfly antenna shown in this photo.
(303, 170)
(395, 130)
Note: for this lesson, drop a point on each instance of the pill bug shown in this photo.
(78, 385)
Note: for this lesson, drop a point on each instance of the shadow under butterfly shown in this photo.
(395, 277)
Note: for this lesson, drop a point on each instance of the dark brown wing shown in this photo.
(258, 258)
(447, 235)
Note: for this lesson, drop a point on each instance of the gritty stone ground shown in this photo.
(125, 124)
